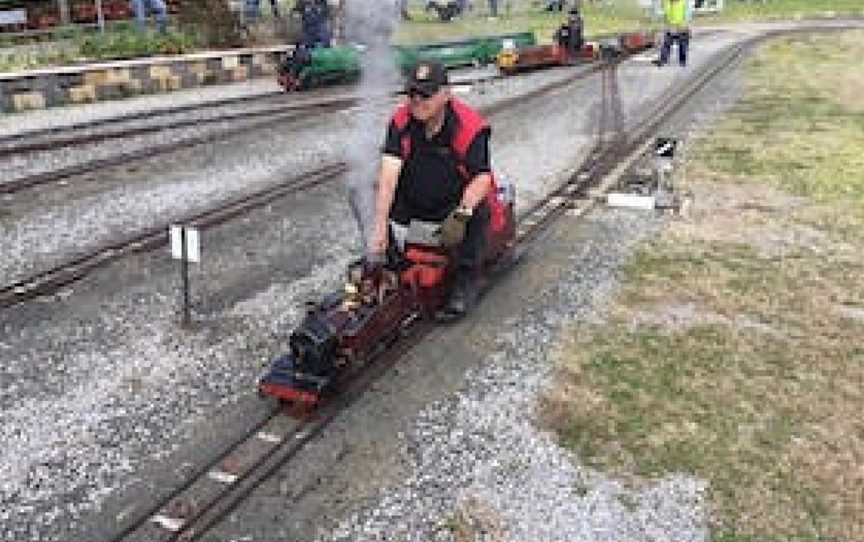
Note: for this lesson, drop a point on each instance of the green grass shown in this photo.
(522, 18)
(525, 15)
(812, 136)
(736, 11)
(727, 354)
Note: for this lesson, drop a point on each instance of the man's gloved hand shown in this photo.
(453, 227)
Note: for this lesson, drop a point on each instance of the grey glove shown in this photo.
(453, 228)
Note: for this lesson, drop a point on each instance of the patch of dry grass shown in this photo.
(475, 520)
(733, 350)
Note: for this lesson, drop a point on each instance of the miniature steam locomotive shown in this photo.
(303, 68)
(342, 333)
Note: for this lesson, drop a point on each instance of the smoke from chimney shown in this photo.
(369, 24)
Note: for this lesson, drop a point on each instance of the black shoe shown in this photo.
(657, 63)
(462, 298)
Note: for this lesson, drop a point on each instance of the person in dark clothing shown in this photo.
(253, 9)
(436, 167)
(402, 6)
(315, 17)
(446, 11)
(570, 35)
(493, 8)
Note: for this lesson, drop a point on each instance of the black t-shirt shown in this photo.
(429, 180)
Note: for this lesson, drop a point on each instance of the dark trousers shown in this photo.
(470, 252)
(683, 39)
(316, 35)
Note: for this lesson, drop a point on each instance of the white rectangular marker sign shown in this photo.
(193, 244)
(176, 242)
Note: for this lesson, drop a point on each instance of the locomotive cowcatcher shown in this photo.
(378, 304)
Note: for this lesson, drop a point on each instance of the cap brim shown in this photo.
(426, 87)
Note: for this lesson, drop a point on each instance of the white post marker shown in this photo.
(186, 247)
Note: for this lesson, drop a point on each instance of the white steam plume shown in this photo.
(369, 23)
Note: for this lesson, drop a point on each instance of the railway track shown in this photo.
(200, 503)
(6, 140)
(273, 116)
(76, 268)
(63, 138)
(57, 140)
(52, 280)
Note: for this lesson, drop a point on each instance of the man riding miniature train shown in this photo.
(436, 168)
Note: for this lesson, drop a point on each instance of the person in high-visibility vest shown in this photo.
(677, 14)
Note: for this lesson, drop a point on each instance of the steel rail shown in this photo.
(146, 114)
(49, 281)
(49, 177)
(72, 141)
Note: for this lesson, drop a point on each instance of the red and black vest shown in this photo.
(468, 124)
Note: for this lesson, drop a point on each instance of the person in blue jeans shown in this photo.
(141, 9)
(677, 14)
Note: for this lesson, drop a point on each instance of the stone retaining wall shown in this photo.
(39, 89)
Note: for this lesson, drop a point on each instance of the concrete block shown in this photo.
(197, 67)
(95, 78)
(230, 62)
(210, 77)
(135, 86)
(119, 76)
(239, 73)
(161, 71)
(82, 94)
(175, 82)
(190, 80)
(28, 100)
(110, 92)
(159, 85)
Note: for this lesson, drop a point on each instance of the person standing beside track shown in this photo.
(678, 14)
(315, 17)
(570, 35)
(141, 9)
(253, 9)
(436, 167)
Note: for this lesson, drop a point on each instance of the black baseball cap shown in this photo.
(426, 78)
